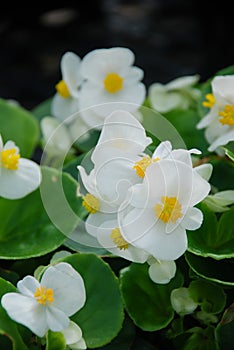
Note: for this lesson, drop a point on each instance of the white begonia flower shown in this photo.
(161, 271)
(179, 93)
(66, 101)
(73, 337)
(48, 304)
(181, 301)
(18, 176)
(219, 121)
(111, 82)
(162, 208)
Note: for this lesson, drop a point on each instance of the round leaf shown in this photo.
(214, 238)
(102, 315)
(211, 297)
(147, 303)
(211, 269)
(35, 225)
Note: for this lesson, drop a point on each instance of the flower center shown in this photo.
(113, 83)
(62, 89)
(91, 203)
(44, 295)
(10, 159)
(143, 164)
(118, 239)
(227, 115)
(170, 210)
(210, 101)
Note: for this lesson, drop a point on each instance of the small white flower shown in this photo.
(18, 176)
(219, 121)
(162, 208)
(111, 82)
(47, 304)
(73, 337)
(66, 101)
(161, 271)
(179, 93)
(181, 301)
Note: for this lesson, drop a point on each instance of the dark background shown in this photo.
(169, 39)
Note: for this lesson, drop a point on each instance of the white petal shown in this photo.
(223, 86)
(192, 219)
(26, 311)
(224, 197)
(162, 100)
(63, 108)
(204, 170)
(18, 183)
(114, 178)
(130, 98)
(222, 140)
(200, 189)
(92, 119)
(143, 230)
(10, 145)
(70, 67)
(183, 82)
(162, 271)
(28, 285)
(88, 181)
(56, 319)
(72, 333)
(123, 131)
(97, 63)
(68, 287)
(208, 118)
(131, 253)
(80, 345)
(94, 221)
(163, 150)
(133, 75)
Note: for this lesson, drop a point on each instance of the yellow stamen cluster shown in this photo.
(44, 295)
(10, 159)
(227, 115)
(143, 164)
(113, 83)
(62, 89)
(118, 239)
(169, 211)
(91, 203)
(210, 101)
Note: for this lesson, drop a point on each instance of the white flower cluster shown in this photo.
(91, 87)
(140, 205)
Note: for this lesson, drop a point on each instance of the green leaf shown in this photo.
(222, 174)
(102, 315)
(225, 329)
(20, 126)
(55, 341)
(124, 339)
(147, 303)
(37, 224)
(209, 296)
(214, 238)
(201, 339)
(213, 270)
(185, 122)
(8, 327)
